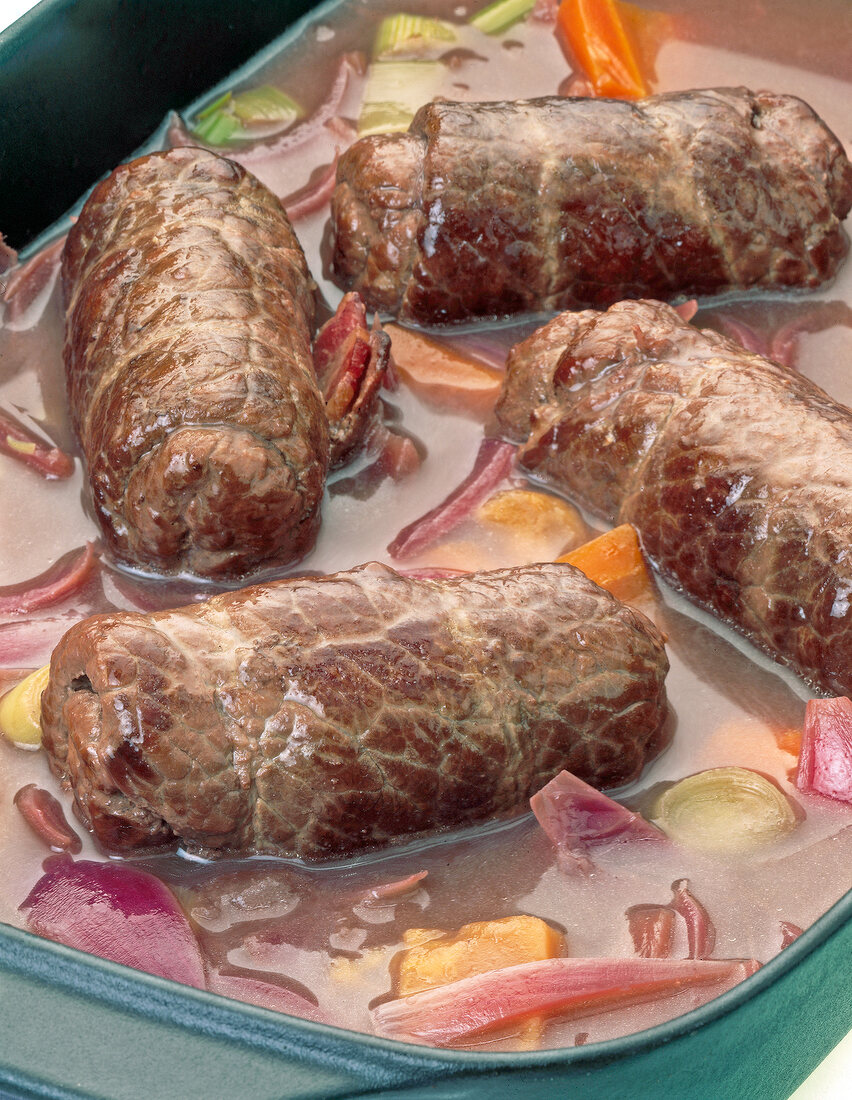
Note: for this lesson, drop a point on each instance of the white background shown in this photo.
(832, 1080)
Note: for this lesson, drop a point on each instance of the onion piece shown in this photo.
(22, 444)
(577, 817)
(825, 760)
(116, 912)
(390, 891)
(63, 579)
(29, 280)
(727, 809)
(493, 464)
(700, 930)
(789, 932)
(315, 194)
(265, 995)
(652, 930)
(45, 816)
(500, 998)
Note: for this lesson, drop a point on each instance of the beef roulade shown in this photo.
(321, 717)
(737, 472)
(491, 209)
(188, 359)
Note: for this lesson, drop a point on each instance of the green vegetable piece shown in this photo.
(403, 33)
(266, 104)
(724, 810)
(394, 92)
(501, 15)
(219, 129)
(215, 106)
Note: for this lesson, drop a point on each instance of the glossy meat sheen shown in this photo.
(737, 472)
(491, 209)
(190, 380)
(322, 717)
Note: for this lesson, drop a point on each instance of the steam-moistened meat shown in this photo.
(188, 358)
(737, 472)
(490, 209)
(320, 717)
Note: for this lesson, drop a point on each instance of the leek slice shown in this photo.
(724, 810)
(20, 710)
(265, 104)
(216, 105)
(394, 92)
(501, 15)
(404, 33)
(218, 129)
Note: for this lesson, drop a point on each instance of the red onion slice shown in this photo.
(22, 444)
(700, 930)
(29, 280)
(493, 464)
(499, 998)
(65, 578)
(825, 761)
(117, 912)
(652, 930)
(265, 995)
(577, 817)
(45, 816)
(314, 195)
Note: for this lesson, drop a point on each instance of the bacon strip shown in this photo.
(493, 464)
(315, 194)
(500, 998)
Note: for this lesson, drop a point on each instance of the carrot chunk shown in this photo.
(614, 561)
(441, 376)
(595, 32)
(475, 949)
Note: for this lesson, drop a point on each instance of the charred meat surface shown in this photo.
(188, 359)
(491, 209)
(736, 471)
(322, 717)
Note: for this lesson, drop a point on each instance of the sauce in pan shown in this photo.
(318, 931)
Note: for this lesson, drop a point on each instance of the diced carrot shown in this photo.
(475, 949)
(539, 522)
(789, 740)
(596, 34)
(441, 376)
(614, 561)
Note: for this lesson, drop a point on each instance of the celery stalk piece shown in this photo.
(404, 33)
(721, 810)
(501, 15)
(216, 105)
(266, 104)
(219, 129)
(393, 93)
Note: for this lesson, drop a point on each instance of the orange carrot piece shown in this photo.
(595, 32)
(789, 740)
(475, 949)
(440, 375)
(614, 561)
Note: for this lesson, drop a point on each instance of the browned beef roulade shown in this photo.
(490, 209)
(188, 358)
(737, 472)
(320, 717)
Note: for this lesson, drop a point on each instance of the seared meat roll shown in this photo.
(736, 472)
(321, 717)
(188, 358)
(491, 209)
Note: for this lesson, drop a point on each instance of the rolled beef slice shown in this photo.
(188, 361)
(322, 717)
(492, 209)
(736, 472)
